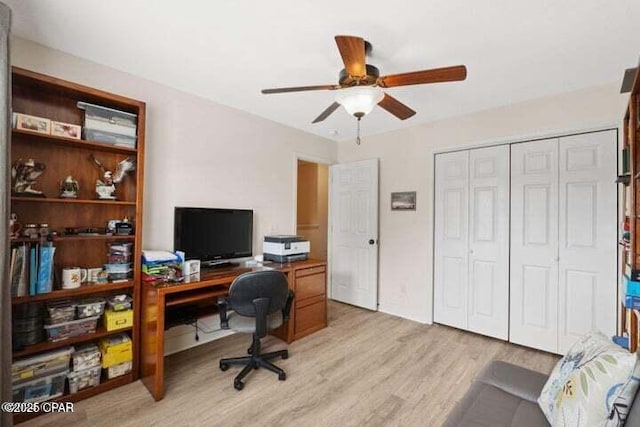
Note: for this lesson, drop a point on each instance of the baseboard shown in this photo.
(396, 311)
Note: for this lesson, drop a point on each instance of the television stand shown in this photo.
(218, 264)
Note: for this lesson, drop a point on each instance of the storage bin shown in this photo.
(117, 268)
(119, 258)
(70, 329)
(109, 138)
(90, 307)
(115, 350)
(114, 320)
(83, 379)
(119, 303)
(86, 357)
(61, 311)
(120, 248)
(39, 390)
(40, 366)
(119, 370)
(109, 115)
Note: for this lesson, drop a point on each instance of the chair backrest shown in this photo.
(247, 287)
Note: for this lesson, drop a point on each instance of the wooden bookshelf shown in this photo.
(630, 252)
(49, 97)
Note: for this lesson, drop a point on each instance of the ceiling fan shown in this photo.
(360, 86)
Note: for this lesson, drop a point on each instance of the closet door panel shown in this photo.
(534, 245)
(587, 247)
(488, 294)
(451, 238)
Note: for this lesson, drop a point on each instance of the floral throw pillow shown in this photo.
(593, 385)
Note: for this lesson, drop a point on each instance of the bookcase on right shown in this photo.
(629, 290)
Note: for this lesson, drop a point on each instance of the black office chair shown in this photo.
(265, 297)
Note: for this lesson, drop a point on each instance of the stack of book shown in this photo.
(160, 265)
(109, 126)
(32, 269)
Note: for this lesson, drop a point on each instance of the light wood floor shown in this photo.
(365, 369)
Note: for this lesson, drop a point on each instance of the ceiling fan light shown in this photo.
(359, 100)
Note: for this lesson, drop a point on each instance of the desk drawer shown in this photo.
(310, 319)
(309, 271)
(311, 285)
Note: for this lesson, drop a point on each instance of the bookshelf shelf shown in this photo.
(48, 345)
(71, 201)
(72, 293)
(78, 143)
(73, 238)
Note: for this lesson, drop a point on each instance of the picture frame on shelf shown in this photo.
(32, 123)
(66, 130)
(403, 201)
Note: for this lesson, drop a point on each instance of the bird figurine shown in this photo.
(69, 188)
(24, 175)
(106, 187)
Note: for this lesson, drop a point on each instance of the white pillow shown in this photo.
(592, 385)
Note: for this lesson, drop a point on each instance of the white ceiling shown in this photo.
(227, 51)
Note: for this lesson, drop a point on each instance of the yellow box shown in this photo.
(114, 320)
(115, 350)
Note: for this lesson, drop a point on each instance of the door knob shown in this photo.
(372, 242)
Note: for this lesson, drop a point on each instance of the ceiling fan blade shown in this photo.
(299, 89)
(435, 75)
(352, 51)
(326, 113)
(396, 107)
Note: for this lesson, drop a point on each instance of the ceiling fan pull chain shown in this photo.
(358, 138)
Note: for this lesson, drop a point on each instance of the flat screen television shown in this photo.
(211, 235)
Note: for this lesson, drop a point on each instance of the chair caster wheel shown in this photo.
(250, 350)
(282, 376)
(238, 385)
(285, 356)
(223, 366)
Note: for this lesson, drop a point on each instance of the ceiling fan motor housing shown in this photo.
(346, 80)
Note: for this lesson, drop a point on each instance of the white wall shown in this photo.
(198, 153)
(406, 164)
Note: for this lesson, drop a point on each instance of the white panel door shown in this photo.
(488, 289)
(534, 244)
(354, 233)
(451, 239)
(588, 216)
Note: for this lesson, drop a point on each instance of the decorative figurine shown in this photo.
(23, 177)
(14, 226)
(106, 187)
(69, 188)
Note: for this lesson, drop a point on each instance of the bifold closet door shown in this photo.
(471, 286)
(451, 238)
(488, 289)
(588, 232)
(534, 244)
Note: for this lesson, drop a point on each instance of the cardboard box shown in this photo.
(116, 350)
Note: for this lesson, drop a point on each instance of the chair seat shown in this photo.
(248, 324)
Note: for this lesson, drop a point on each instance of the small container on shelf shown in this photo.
(86, 357)
(90, 307)
(114, 320)
(39, 390)
(62, 331)
(119, 302)
(79, 380)
(119, 370)
(27, 326)
(115, 350)
(61, 312)
(39, 366)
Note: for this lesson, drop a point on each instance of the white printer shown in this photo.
(283, 248)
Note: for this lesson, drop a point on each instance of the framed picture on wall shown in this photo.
(403, 201)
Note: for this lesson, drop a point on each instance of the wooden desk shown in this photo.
(307, 279)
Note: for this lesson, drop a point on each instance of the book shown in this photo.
(631, 273)
(45, 269)
(632, 302)
(19, 269)
(33, 268)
